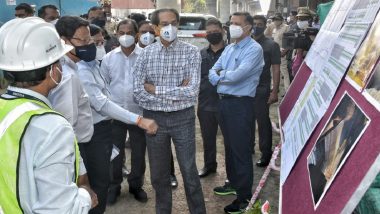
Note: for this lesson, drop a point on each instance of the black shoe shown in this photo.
(173, 181)
(140, 195)
(236, 207)
(262, 163)
(227, 189)
(206, 171)
(112, 197)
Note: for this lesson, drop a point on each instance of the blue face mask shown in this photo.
(86, 53)
(257, 31)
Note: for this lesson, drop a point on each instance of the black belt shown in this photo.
(229, 96)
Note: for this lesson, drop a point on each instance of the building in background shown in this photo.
(123, 8)
(66, 7)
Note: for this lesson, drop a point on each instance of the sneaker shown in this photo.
(236, 207)
(225, 190)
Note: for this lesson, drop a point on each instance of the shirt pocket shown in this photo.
(181, 72)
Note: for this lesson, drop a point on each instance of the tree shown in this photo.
(195, 6)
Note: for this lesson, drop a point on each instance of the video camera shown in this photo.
(299, 39)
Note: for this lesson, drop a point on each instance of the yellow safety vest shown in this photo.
(15, 115)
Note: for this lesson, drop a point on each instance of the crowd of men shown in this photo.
(73, 88)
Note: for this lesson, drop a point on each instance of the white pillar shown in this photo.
(176, 4)
(225, 12)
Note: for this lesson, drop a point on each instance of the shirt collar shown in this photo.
(261, 38)
(136, 51)
(91, 63)
(243, 42)
(172, 45)
(67, 61)
(31, 93)
(220, 50)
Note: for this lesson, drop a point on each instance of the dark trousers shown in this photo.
(235, 119)
(138, 148)
(172, 170)
(96, 155)
(261, 115)
(208, 121)
(180, 126)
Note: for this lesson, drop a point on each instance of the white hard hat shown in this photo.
(28, 44)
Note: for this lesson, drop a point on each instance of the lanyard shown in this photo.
(22, 95)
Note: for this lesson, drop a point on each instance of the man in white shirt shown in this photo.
(117, 70)
(97, 152)
(69, 97)
(38, 151)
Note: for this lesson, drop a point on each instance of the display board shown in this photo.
(329, 117)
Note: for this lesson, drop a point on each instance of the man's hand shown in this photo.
(273, 97)
(150, 88)
(94, 197)
(185, 83)
(149, 125)
(283, 52)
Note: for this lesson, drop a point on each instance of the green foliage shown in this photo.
(194, 6)
(255, 209)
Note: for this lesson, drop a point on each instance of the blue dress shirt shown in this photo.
(240, 67)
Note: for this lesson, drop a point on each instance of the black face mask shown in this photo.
(257, 31)
(99, 22)
(86, 53)
(214, 38)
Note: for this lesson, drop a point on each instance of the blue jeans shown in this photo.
(180, 126)
(235, 120)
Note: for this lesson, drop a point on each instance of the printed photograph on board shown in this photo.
(366, 58)
(372, 91)
(339, 137)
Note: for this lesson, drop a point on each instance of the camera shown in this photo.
(299, 39)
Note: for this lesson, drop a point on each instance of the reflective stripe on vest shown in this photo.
(15, 115)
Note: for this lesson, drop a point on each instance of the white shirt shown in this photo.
(117, 69)
(278, 33)
(70, 99)
(46, 167)
(102, 107)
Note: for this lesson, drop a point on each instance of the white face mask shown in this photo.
(236, 31)
(100, 52)
(303, 24)
(54, 21)
(146, 38)
(51, 71)
(288, 19)
(169, 33)
(126, 40)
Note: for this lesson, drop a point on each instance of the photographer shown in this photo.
(299, 38)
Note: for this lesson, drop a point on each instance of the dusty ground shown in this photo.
(214, 204)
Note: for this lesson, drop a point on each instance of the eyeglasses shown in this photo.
(163, 24)
(122, 33)
(84, 41)
(151, 32)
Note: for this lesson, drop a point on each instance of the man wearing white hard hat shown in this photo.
(38, 150)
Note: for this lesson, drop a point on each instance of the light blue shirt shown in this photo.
(240, 67)
(103, 108)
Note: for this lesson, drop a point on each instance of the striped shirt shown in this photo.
(166, 68)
